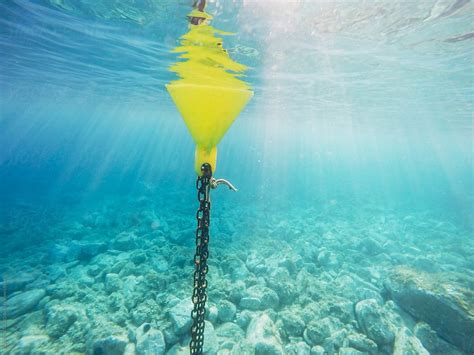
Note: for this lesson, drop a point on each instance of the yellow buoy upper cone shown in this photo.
(208, 111)
(208, 95)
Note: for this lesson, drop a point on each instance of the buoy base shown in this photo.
(205, 155)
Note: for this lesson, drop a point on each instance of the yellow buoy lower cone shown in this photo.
(208, 112)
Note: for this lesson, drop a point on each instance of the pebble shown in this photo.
(138, 257)
(16, 283)
(29, 344)
(211, 344)
(149, 341)
(113, 283)
(317, 350)
(178, 349)
(362, 343)
(180, 316)
(293, 324)
(59, 318)
(212, 314)
(300, 348)
(407, 343)
(372, 320)
(243, 319)
(87, 250)
(111, 345)
(280, 281)
(226, 311)
(350, 351)
(21, 303)
(124, 241)
(259, 297)
(263, 336)
(370, 246)
(328, 260)
(159, 264)
(229, 332)
(319, 329)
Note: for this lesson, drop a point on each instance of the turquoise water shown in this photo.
(353, 160)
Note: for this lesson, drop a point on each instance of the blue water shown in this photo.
(361, 126)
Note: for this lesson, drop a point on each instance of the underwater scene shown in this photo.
(236, 177)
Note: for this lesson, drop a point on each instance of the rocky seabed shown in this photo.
(306, 282)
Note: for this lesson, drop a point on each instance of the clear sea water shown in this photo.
(361, 125)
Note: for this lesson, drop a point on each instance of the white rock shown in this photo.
(317, 350)
(130, 349)
(373, 320)
(350, 351)
(150, 341)
(211, 344)
(30, 343)
(300, 348)
(159, 264)
(212, 313)
(263, 336)
(181, 316)
(407, 343)
(259, 297)
(229, 332)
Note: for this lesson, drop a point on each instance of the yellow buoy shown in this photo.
(208, 94)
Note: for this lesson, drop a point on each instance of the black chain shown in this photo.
(200, 260)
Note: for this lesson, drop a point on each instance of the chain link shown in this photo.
(200, 260)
